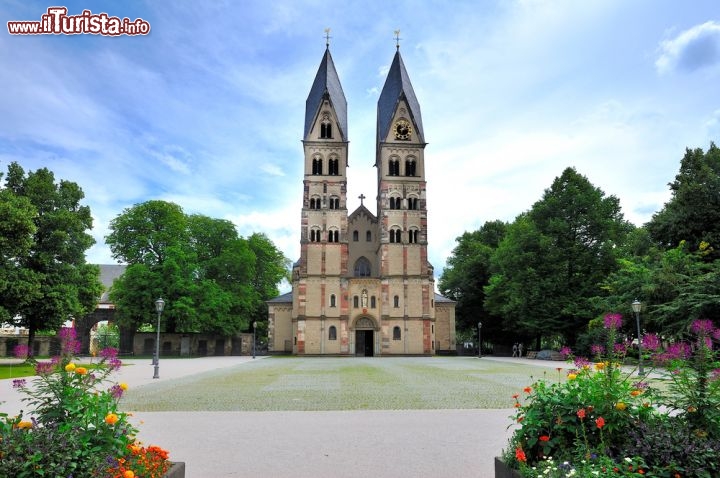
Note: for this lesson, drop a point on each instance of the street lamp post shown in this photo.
(254, 327)
(159, 306)
(479, 340)
(636, 306)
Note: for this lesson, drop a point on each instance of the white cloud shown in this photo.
(693, 49)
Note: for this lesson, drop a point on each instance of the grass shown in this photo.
(323, 383)
(22, 369)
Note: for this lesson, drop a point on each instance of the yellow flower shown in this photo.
(572, 376)
(129, 474)
(111, 419)
(81, 370)
(620, 406)
(24, 425)
(600, 366)
(70, 367)
(123, 385)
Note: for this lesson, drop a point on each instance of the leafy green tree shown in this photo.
(554, 258)
(212, 280)
(693, 212)
(49, 280)
(467, 273)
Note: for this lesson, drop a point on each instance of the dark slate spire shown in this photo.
(326, 84)
(398, 87)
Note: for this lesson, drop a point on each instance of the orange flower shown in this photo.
(24, 425)
(527, 389)
(517, 405)
(111, 419)
(635, 393)
(544, 438)
(581, 413)
(520, 419)
(81, 370)
(600, 422)
(520, 455)
(129, 474)
(515, 396)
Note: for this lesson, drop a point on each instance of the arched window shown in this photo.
(412, 204)
(396, 301)
(332, 333)
(315, 203)
(333, 235)
(334, 167)
(396, 333)
(413, 236)
(356, 301)
(394, 167)
(395, 236)
(315, 235)
(373, 303)
(395, 203)
(362, 267)
(410, 167)
(368, 236)
(332, 300)
(326, 127)
(317, 166)
(355, 236)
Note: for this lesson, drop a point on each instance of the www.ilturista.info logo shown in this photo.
(57, 22)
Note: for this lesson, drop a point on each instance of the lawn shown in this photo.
(22, 369)
(324, 383)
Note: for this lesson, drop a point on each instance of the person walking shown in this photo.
(520, 349)
(515, 349)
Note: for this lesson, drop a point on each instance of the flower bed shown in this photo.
(597, 420)
(76, 428)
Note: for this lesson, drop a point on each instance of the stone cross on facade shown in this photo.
(361, 197)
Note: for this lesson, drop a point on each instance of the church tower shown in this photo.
(407, 277)
(323, 242)
(363, 285)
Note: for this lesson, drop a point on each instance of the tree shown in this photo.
(467, 273)
(211, 279)
(50, 281)
(693, 212)
(552, 262)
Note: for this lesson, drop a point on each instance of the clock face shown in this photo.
(403, 130)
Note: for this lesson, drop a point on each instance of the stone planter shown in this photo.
(504, 471)
(177, 470)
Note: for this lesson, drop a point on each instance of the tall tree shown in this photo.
(49, 265)
(572, 233)
(693, 212)
(467, 273)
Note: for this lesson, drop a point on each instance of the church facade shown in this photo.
(363, 285)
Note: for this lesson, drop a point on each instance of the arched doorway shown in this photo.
(364, 337)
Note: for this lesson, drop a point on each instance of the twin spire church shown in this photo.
(363, 285)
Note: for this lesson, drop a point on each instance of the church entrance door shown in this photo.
(364, 343)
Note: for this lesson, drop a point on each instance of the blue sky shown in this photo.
(207, 110)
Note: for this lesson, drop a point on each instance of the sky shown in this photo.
(207, 110)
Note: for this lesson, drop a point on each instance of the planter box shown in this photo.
(504, 471)
(177, 470)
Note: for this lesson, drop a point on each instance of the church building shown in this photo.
(363, 285)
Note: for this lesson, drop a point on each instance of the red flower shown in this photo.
(516, 396)
(544, 438)
(581, 413)
(600, 422)
(527, 389)
(520, 455)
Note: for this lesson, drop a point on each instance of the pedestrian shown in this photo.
(515, 349)
(520, 349)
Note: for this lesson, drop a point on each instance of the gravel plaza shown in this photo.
(325, 417)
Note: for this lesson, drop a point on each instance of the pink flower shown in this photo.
(620, 348)
(565, 352)
(651, 342)
(21, 351)
(44, 368)
(69, 345)
(612, 321)
(704, 327)
(597, 349)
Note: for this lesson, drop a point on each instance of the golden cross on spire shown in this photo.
(397, 39)
(327, 37)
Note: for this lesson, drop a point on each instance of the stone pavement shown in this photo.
(345, 444)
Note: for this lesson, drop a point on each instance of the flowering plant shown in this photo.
(76, 428)
(595, 419)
